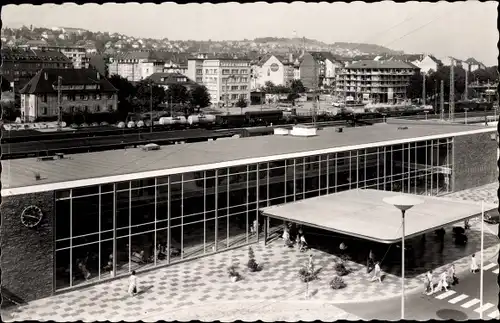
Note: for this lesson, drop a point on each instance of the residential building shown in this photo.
(76, 53)
(82, 90)
(374, 81)
(136, 66)
(318, 69)
(20, 65)
(168, 79)
(449, 59)
(273, 68)
(226, 79)
(195, 69)
(471, 64)
(328, 66)
(425, 62)
(202, 199)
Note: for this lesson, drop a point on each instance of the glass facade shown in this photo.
(109, 230)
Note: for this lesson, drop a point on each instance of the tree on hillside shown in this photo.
(126, 92)
(199, 97)
(145, 91)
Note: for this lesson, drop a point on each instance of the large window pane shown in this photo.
(122, 213)
(62, 269)
(63, 214)
(85, 263)
(122, 256)
(85, 214)
(312, 176)
(142, 251)
(299, 178)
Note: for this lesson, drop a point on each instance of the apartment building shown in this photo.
(20, 65)
(273, 68)
(77, 54)
(136, 66)
(82, 90)
(318, 69)
(374, 81)
(226, 79)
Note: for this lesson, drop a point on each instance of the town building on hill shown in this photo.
(136, 66)
(82, 90)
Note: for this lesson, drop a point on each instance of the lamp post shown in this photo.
(403, 203)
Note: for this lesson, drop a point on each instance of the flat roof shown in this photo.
(94, 168)
(362, 213)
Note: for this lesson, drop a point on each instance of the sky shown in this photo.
(459, 29)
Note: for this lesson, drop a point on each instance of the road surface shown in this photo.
(460, 303)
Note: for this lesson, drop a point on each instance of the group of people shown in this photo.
(445, 278)
(300, 239)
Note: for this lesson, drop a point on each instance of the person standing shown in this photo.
(286, 237)
(451, 274)
(430, 280)
(473, 264)
(443, 281)
(369, 263)
(377, 275)
(132, 285)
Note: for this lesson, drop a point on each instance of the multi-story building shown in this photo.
(226, 79)
(318, 69)
(203, 199)
(136, 66)
(273, 68)
(374, 81)
(195, 69)
(425, 62)
(20, 65)
(82, 90)
(76, 53)
(471, 64)
(168, 79)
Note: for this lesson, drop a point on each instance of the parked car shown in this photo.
(492, 217)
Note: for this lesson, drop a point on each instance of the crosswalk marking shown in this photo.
(484, 308)
(495, 271)
(446, 294)
(458, 299)
(494, 314)
(471, 303)
(489, 266)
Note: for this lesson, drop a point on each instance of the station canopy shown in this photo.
(362, 213)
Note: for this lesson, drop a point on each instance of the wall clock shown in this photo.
(31, 216)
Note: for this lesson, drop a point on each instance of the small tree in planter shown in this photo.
(306, 274)
(252, 264)
(340, 269)
(337, 283)
(233, 274)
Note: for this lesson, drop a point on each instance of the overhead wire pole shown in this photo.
(441, 99)
(481, 275)
(59, 107)
(451, 104)
(423, 88)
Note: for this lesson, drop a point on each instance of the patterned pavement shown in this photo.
(488, 193)
(202, 288)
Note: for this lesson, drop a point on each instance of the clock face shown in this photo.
(31, 216)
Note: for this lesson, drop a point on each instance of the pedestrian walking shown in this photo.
(451, 274)
(377, 275)
(431, 282)
(370, 262)
(473, 264)
(286, 237)
(132, 285)
(443, 281)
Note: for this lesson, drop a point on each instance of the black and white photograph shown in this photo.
(249, 161)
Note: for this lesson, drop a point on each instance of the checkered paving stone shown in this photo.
(205, 280)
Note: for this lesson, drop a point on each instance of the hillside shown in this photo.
(105, 42)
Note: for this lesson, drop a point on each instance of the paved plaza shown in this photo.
(202, 289)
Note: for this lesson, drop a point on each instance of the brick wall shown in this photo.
(475, 161)
(27, 257)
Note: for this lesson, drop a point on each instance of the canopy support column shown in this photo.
(266, 229)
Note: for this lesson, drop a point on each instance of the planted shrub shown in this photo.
(307, 275)
(233, 272)
(252, 264)
(340, 269)
(337, 283)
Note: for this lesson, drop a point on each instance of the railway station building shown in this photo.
(112, 211)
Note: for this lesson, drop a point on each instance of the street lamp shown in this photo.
(403, 203)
